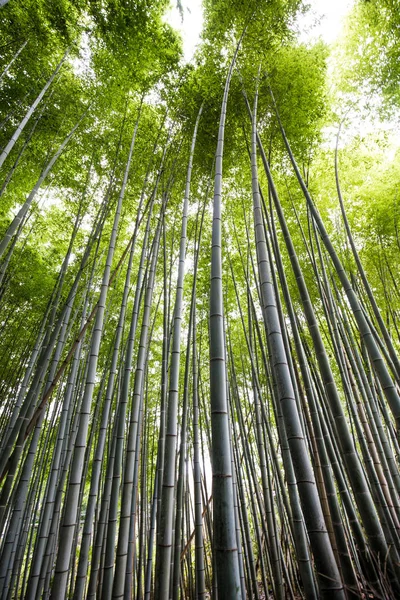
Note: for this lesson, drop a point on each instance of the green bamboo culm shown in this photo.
(224, 533)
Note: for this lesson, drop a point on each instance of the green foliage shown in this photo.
(123, 53)
(369, 53)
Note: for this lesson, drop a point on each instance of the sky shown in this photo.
(327, 18)
(191, 26)
(324, 19)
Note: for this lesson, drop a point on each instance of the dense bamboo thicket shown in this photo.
(199, 304)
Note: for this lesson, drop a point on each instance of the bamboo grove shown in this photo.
(199, 308)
